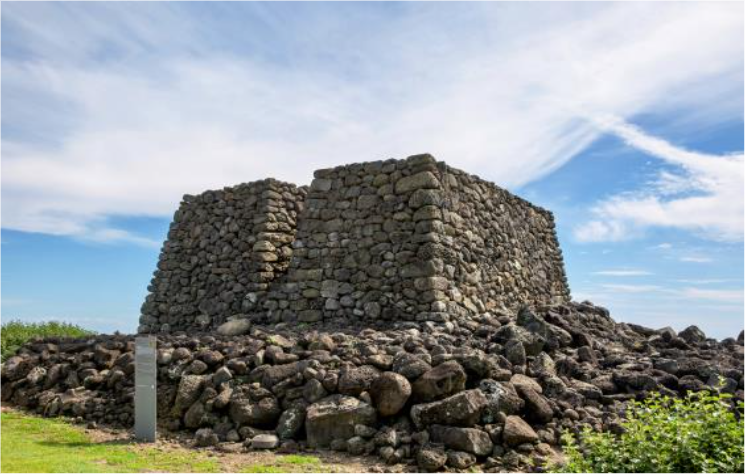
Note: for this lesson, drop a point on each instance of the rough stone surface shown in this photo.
(335, 417)
(431, 459)
(390, 392)
(462, 409)
(470, 440)
(265, 441)
(441, 381)
(411, 240)
(517, 431)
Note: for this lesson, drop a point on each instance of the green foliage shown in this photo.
(14, 334)
(32, 444)
(699, 433)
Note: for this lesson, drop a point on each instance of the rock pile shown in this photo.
(495, 390)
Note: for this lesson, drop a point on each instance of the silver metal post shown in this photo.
(146, 372)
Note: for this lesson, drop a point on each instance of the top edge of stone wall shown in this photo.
(422, 159)
(260, 184)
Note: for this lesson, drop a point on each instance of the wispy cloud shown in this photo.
(695, 259)
(120, 109)
(705, 195)
(631, 288)
(13, 302)
(710, 294)
(703, 281)
(622, 273)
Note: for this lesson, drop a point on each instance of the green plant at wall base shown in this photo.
(698, 433)
(14, 334)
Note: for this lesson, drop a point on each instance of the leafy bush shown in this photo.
(698, 433)
(14, 334)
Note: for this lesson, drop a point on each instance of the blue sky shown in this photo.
(626, 120)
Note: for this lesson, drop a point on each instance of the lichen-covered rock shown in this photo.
(470, 440)
(356, 380)
(431, 459)
(461, 409)
(291, 422)
(516, 431)
(335, 417)
(390, 392)
(263, 413)
(441, 381)
(188, 392)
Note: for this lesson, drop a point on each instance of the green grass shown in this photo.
(31, 444)
(14, 334)
(289, 463)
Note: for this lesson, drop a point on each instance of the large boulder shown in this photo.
(532, 343)
(443, 380)
(272, 375)
(422, 180)
(536, 405)
(409, 365)
(431, 459)
(461, 409)
(189, 389)
(235, 327)
(501, 397)
(291, 422)
(516, 431)
(263, 413)
(692, 335)
(334, 417)
(390, 392)
(16, 368)
(356, 380)
(470, 440)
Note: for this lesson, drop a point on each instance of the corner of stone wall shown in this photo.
(503, 251)
(224, 248)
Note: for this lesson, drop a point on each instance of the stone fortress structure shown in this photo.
(367, 243)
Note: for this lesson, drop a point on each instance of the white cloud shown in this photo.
(695, 259)
(13, 302)
(119, 110)
(622, 273)
(703, 281)
(705, 196)
(717, 295)
(631, 288)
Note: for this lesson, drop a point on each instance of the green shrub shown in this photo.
(698, 433)
(14, 334)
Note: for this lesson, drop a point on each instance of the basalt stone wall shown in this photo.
(394, 240)
(501, 251)
(224, 248)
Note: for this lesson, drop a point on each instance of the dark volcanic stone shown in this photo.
(390, 392)
(334, 418)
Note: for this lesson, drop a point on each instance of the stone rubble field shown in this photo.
(493, 392)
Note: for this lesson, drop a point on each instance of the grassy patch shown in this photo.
(14, 334)
(289, 463)
(31, 444)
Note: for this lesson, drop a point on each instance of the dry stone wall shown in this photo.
(222, 247)
(376, 242)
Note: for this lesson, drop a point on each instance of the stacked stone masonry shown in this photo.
(411, 240)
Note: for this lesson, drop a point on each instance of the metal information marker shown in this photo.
(146, 371)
